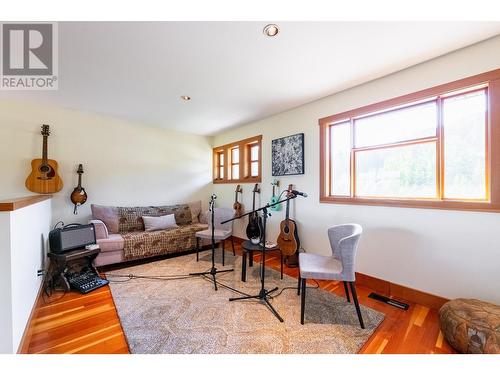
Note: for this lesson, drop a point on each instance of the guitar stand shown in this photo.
(213, 271)
(263, 295)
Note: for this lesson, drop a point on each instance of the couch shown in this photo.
(121, 236)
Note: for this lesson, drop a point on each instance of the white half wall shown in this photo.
(446, 253)
(22, 253)
(125, 163)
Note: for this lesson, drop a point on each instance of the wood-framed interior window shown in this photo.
(437, 148)
(244, 161)
(219, 165)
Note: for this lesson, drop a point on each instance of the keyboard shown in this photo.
(86, 281)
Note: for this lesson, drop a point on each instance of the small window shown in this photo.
(243, 161)
(235, 163)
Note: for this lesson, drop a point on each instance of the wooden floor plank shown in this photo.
(76, 323)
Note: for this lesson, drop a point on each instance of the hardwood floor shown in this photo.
(76, 323)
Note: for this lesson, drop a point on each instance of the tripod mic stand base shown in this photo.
(264, 297)
(213, 271)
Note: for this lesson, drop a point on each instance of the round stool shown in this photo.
(471, 325)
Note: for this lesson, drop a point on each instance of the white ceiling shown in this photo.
(234, 74)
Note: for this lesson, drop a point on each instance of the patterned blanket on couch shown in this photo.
(148, 244)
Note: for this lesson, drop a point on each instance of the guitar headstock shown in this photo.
(289, 191)
(45, 130)
(275, 183)
(256, 189)
(80, 169)
(239, 189)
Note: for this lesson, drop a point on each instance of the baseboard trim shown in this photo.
(393, 290)
(402, 292)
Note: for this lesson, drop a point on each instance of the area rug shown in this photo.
(187, 315)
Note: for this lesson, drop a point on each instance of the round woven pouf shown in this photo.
(471, 325)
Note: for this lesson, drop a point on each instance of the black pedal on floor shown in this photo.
(389, 301)
(86, 281)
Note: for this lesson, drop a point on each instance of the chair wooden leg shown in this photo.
(232, 243)
(356, 303)
(346, 292)
(223, 251)
(197, 248)
(298, 285)
(303, 301)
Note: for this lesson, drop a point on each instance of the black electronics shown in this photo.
(389, 301)
(70, 237)
(86, 281)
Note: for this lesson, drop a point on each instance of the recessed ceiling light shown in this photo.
(185, 97)
(271, 30)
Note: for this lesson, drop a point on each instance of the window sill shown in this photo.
(240, 181)
(409, 203)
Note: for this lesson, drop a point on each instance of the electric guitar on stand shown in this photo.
(43, 177)
(288, 239)
(254, 227)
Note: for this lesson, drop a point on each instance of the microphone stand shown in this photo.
(263, 295)
(213, 271)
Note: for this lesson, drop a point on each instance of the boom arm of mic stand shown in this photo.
(260, 209)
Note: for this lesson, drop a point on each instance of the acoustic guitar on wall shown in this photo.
(43, 178)
(238, 207)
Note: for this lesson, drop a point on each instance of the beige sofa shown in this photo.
(121, 236)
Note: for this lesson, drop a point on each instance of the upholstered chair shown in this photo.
(221, 231)
(338, 266)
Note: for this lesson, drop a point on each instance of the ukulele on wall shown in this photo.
(254, 227)
(79, 195)
(237, 205)
(288, 239)
(43, 177)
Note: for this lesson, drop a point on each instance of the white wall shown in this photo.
(124, 163)
(5, 289)
(447, 253)
(22, 254)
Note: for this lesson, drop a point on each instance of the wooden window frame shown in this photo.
(244, 161)
(218, 165)
(489, 79)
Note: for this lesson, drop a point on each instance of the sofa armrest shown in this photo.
(101, 231)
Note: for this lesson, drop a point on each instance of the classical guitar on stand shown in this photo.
(238, 207)
(79, 195)
(43, 177)
(254, 227)
(288, 239)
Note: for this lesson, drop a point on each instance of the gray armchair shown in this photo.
(221, 231)
(338, 266)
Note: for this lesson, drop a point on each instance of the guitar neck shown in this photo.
(44, 150)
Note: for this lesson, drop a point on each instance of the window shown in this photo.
(433, 149)
(243, 161)
(219, 165)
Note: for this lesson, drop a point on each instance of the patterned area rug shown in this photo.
(189, 316)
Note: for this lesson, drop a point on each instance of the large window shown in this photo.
(243, 161)
(429, 149)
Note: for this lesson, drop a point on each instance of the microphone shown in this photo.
(295, 192)
(213, 197)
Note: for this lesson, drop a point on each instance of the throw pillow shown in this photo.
(152, 223)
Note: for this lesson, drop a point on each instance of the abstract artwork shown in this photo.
(288, 155)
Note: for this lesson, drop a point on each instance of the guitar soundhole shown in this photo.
(286, 230)
(44, 168)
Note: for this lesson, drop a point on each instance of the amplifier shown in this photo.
(70, 237)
